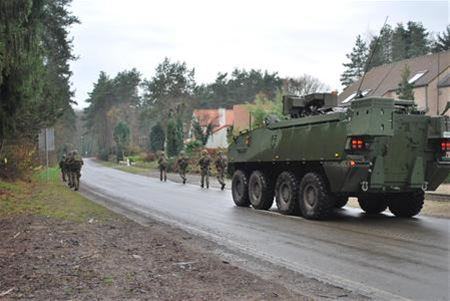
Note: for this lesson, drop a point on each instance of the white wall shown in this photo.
(218, 139)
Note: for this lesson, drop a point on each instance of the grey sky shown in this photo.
(289, 37)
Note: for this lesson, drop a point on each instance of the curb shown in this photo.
(439, 197)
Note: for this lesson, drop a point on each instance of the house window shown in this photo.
(418, 75)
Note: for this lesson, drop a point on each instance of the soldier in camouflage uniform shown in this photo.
(221, 165)
(67, 162)
(182, 163)
(62, 166)
(204, 162)
(75, 164)
(162, 164)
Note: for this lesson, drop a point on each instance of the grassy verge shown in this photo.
(46, 195)
(139, 168)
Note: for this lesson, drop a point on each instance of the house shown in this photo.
(222, 121)
(430, 75)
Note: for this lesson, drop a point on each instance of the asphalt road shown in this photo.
(383, 257)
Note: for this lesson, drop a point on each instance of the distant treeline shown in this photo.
(164, 103)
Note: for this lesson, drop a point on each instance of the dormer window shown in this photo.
(418, 75)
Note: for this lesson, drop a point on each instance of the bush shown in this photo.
(103, 155)
(193, 147)
(17, 160)
(149, 157)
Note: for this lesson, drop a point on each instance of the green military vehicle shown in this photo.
(383, 151)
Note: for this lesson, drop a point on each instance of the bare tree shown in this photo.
(303, 85)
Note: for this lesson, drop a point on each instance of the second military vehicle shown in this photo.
(383, 151)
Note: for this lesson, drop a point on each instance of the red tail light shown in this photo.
(358, 143)
(445, 145)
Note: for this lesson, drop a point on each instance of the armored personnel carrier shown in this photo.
(383, 151)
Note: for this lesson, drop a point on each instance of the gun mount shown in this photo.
(311, 104)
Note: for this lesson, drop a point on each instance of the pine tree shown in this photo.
(355, 68)
(405, 90)
(121, 136)
(417, 41)
(381, 47)
(442, 42)
(399, 48)
(171, 138)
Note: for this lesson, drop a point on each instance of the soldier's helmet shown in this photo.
(162, 153)
(204, 152)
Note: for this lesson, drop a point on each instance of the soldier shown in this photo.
(67, 164)
(63, 168)
(75, 169)
(204, 162)
(182, 163)
(162, 163)
(221, 165)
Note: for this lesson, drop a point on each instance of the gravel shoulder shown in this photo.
(57, 245)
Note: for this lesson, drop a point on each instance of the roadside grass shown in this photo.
(50, 198)
(139, 168)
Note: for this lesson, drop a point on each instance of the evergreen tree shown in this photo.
(355, 68)
(121, 135)
(381, 47)
(180, 134)
(173, 138)
(417, 41)
(399, 47)
(442, 42)
(405, 90)
(157, 138)
(35, 52)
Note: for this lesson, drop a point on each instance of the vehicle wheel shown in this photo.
(372, 204)
(315, 201)
(260, 191)
(340, 201)
(286, 193)
(239, 189)
(407, 204)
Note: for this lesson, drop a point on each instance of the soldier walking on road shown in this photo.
(182, 163)
(221, 163)
(75, 164)
(204, 162)
(162, 163)
(62, 166)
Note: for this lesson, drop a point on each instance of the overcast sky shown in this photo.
(288, 37)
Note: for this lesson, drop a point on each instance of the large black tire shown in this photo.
(239, 189)
(314, 200)
(372, 203)
(340, 201)
(260, 191)
(286, 193)
(406, 204)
